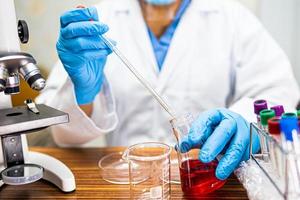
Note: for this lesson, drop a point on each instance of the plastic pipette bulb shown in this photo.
(265, 115)
(260, 105)
(279, 110)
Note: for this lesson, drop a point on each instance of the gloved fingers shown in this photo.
(85, 43)
(84, 28)
(200, 130)
(95, 54)
(217, 141)
(79, 14)
(233, 156)
(83, 55)
(185, 145)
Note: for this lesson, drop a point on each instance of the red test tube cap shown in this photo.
(274, 126)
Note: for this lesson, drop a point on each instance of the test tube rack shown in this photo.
(277, 162)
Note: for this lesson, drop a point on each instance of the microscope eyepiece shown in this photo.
(32, 76)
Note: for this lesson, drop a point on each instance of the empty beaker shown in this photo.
(149, 170)
(197, 178)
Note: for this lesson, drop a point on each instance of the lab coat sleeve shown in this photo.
(81, 129)
(261, 68)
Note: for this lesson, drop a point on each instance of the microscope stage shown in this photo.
(21, 119)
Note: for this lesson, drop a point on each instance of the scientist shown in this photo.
(200, 55)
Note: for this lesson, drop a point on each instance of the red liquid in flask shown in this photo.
(199, 178)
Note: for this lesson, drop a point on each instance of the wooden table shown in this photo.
(90, 185)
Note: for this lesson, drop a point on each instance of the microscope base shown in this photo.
(18, 121)
(55, 171)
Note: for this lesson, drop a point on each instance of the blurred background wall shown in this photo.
(281, 18)
(43, 19)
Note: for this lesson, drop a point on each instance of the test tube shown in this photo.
(259, 105)
(290, 130)
(279, 110)
(265, 115)
(274, 127)
(275, 152)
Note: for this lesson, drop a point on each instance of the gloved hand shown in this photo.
(220, 131)
(82, 52)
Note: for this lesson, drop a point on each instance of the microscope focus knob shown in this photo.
(23, 31)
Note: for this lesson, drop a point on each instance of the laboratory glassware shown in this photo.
(149, 171)
(197, 178)
(260, 105)
(265, 115)
(275, 153)
(284, 177)
(114, 169)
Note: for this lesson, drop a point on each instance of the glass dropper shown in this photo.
(141, 79)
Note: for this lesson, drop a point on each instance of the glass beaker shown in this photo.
(149, 170)
(197, 178)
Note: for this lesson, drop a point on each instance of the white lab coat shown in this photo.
(220, 56)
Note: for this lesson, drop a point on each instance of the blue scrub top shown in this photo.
(161, 45)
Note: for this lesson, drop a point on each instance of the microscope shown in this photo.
(18, 165)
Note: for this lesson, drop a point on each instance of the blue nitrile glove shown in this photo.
(221, 131)
(82, 52)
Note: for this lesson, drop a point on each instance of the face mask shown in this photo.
(160, 2)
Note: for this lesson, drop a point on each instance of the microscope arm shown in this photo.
(54, 171)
